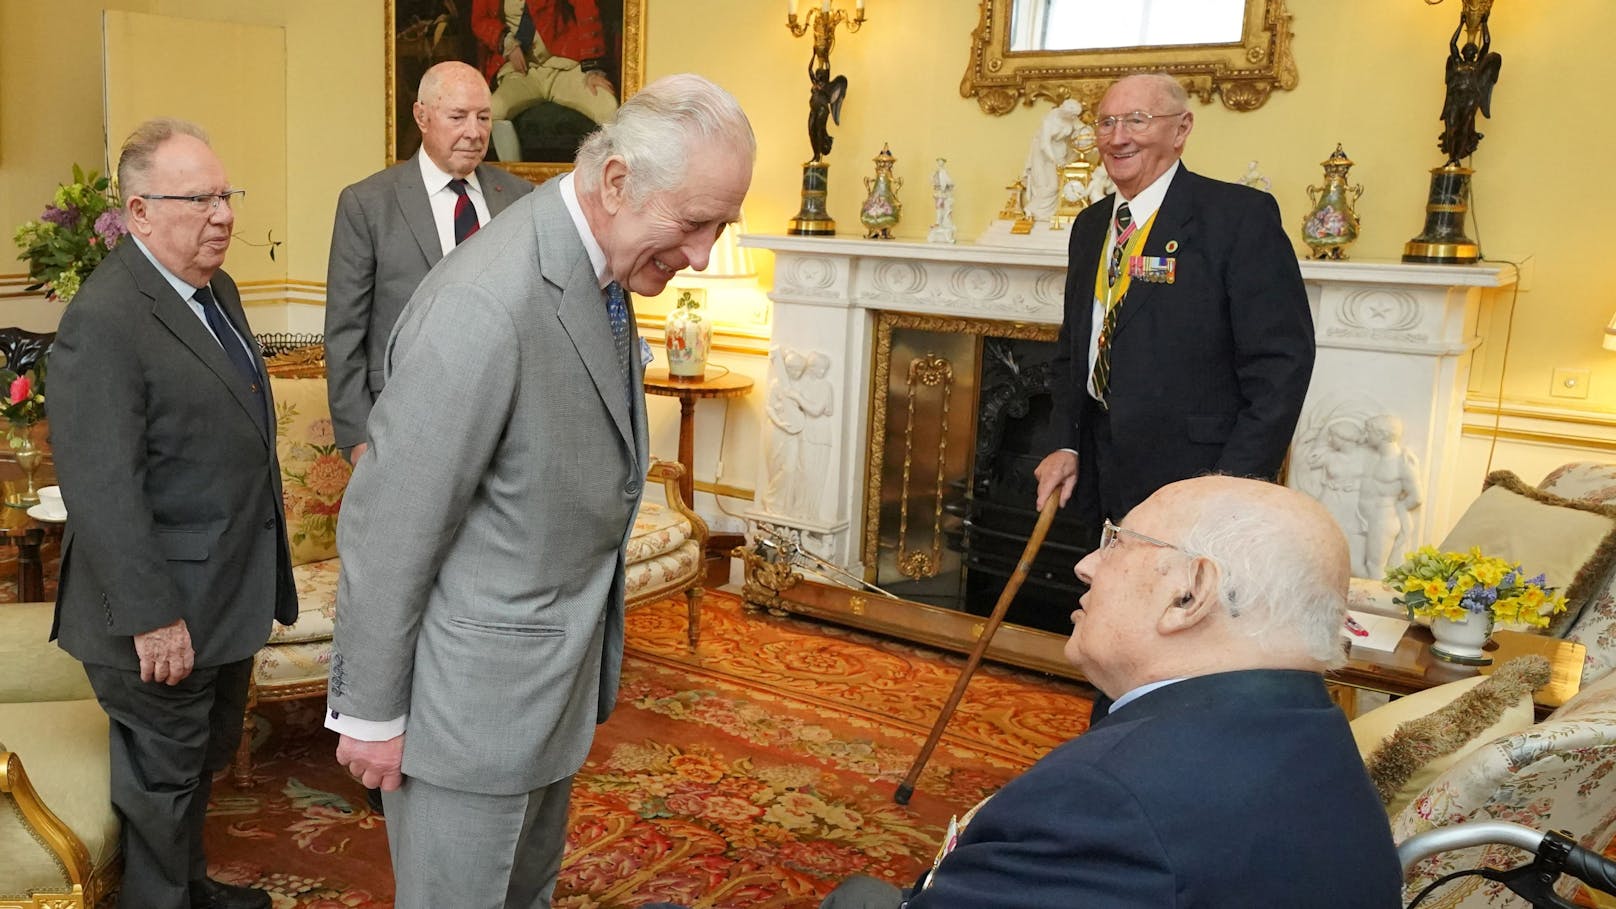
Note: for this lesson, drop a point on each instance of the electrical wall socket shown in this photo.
(1569, 383)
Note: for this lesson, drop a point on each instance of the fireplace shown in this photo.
(918, 325)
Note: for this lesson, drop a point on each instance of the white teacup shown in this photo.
(50, 501)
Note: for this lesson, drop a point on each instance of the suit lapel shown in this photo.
(1173, 221)
(417, 208)
(494, 192)
(182, 321)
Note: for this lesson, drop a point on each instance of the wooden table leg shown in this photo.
(687, 450)
(30, 569)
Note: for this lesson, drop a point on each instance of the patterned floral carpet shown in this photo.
(756, 773)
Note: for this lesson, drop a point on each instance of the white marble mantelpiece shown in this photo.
(1393, 338)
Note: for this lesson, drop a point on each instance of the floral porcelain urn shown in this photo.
(689, 337)
(1332, 225)
(881, 210)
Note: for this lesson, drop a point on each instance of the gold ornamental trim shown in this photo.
(1242, 75)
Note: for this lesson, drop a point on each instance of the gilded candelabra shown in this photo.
(825, 94)
(1470, 73)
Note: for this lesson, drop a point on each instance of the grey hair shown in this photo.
(139, 152)
(1270, 581)
(655, 131)
(1167, 87)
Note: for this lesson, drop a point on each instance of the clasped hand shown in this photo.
(379, 765)
(165, 653)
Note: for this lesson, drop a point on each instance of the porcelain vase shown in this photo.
(28, 457)
(689, 336)
(1463, 642)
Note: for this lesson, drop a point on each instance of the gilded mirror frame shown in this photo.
(1242, 75)
(447, 38)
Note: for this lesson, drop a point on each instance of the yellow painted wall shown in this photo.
(1371, 78)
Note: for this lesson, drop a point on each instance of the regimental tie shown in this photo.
(1124, 230)
(465, 214)
(617, 313)
(236, 352)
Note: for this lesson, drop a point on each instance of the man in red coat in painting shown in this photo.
(542, 50)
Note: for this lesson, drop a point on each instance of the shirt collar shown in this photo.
(597, 256)
(437, 179)
(1142, 206)
(1144, 689)
(181, 287)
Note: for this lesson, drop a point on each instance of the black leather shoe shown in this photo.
(211, 894)
(373, 798)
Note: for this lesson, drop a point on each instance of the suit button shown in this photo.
(633, 488)
(269, 524)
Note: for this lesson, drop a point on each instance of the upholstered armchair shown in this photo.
(58, 830)
(1559, 774)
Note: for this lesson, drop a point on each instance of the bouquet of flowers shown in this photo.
(1449, 585)
(22, 401)
(75, 232)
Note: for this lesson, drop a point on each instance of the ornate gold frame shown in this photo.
(1243, 74)
(630, 81)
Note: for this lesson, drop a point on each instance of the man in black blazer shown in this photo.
(1223, 777)
(394, 225)
(1206, 355)
(174, 559)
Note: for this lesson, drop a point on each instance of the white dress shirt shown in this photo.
(443, 200)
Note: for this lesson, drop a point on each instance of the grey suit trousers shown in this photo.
(509, 846)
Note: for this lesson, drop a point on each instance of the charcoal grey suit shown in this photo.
(482, 543)
(382, 245)
(174, 500)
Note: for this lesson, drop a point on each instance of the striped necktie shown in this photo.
(1101, 378)
(465, 214)
(1124, 232)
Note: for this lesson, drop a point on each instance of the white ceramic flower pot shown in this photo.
(1463, 642)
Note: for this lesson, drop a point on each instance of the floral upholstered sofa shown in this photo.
(665, 553)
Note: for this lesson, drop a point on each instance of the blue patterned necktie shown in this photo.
(237, 354)
(617, 313)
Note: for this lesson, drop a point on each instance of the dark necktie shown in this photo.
(1124, 233)
(235, 352)
(465, 214)
(1108, 323)
(617, 313)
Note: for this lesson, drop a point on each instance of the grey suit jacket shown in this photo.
(482, 533)
(384, 242)
(173, 491)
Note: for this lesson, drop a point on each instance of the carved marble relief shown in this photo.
(801, 435)
(1350, 456)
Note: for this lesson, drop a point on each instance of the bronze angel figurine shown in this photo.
(1471, 73)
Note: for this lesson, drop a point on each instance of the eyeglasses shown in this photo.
(1109, 533)
(204, 201)
(1135, 122)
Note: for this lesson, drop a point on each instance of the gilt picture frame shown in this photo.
(540, 134)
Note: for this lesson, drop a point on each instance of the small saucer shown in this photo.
(1463, 659)
(38, 513)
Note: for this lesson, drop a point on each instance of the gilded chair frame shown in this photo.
(88, 887)
(1242, 75)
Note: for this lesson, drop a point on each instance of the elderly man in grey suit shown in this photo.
(480, 628)
(174, 560)
(393, 226)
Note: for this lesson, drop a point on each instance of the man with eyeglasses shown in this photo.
(1187, 342)
(1223, 776)
(175, 557)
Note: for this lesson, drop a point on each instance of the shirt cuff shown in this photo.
(365, 730)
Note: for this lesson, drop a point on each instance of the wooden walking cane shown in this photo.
(1034, 542)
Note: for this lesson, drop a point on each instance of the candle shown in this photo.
(825, 7)
(860, 7)
(791, 9)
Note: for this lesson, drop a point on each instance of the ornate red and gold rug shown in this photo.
(757, 772)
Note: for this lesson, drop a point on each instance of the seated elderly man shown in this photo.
(1222, 776)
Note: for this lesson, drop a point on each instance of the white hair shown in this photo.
(139, 153)
(1274, 585)
(655, 131)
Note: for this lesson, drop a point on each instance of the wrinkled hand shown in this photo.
(357, 452)
(595, 80)
(165, 653)
(1057, 471)
(517, 59)
(376, 764)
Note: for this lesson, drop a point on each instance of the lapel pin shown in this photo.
(1172, 246)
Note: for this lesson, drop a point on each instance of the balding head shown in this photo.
(452, 109)
(1213, 574)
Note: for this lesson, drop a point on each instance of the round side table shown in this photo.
(714, 384)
